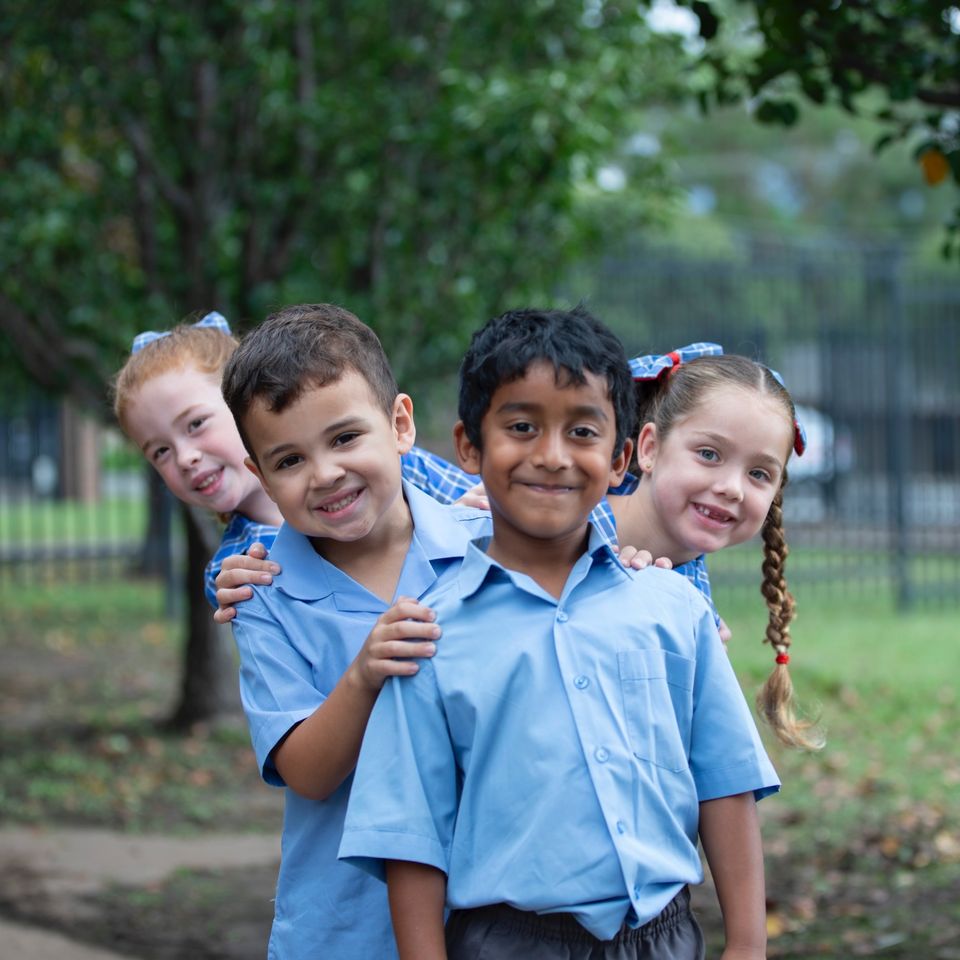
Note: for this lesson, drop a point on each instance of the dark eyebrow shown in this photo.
(338, 426)
(585, 410)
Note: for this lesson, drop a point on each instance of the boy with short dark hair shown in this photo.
(325, 426)
(547, 773)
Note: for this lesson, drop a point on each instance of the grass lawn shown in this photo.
(88, 673)
(862, 845)
(40, 522)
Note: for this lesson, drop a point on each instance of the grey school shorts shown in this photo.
(500, 932)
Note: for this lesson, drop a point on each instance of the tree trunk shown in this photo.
(208, 684)
(155, 552)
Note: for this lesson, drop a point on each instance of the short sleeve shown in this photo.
(277, 684)
(403, 801)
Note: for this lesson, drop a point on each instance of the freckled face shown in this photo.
(186, 431)
(715, 474)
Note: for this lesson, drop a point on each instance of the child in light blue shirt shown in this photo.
(548, 772)
(325, 427)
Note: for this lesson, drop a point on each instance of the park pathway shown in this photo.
(61, 866)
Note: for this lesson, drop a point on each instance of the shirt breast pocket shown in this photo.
(658, 704)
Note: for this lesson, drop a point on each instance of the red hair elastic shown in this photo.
(783, 658)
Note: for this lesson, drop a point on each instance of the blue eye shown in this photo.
(705, 453)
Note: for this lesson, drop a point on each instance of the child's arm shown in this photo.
(730, 834)
(417, 893)
(320, 752)
(236, 574)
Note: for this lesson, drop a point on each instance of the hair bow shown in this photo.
(215, 320)
(653, 366)
(799, 434)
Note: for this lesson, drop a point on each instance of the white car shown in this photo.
(829, 449)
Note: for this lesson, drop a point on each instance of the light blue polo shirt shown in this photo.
(296, 638)
(553, 754)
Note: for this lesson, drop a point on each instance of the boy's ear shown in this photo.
(403, 426)
(251, 465)
(648, 445)
(618, 467)
(468, 456)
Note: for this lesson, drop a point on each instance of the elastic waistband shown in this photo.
(565, 926)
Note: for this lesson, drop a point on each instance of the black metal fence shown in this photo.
(869, 347)
(77, 505)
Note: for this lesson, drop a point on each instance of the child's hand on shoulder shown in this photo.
(639, 559)
(404, 633)
(474, 497)
(235, 574)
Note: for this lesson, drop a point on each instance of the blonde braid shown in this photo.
(775, 700)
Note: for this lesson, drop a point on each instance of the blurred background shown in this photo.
(780, 178)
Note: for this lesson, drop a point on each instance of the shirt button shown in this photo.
(562, 616)
(621, 827)
(601, 754)
(636, 891)
(581, 682)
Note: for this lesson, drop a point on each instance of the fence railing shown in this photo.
(869, 348)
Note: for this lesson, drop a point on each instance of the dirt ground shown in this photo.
(152, 897)
(139, 896)
(116, 837)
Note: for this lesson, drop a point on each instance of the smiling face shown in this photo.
(546, 461)
(185, 430)
(711, 480)
(330, 460)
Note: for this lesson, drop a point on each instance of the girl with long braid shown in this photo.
(715, 437)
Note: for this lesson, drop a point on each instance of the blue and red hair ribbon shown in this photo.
(654, 366)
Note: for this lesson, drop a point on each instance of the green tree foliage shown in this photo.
(416, 162)
(897, 60)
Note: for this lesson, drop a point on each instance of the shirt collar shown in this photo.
(308, 576)
(477, 564)
(440, 539)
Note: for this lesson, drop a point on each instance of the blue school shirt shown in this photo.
(296, 638)
(554, 753)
